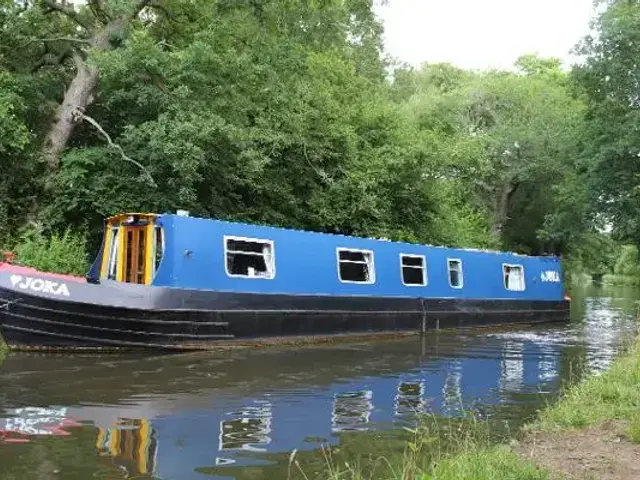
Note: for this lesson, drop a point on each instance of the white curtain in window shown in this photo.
(515, 279)
(268, 259)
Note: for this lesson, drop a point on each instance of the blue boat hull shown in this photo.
(120, 316)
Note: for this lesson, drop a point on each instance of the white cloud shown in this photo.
(483, 33)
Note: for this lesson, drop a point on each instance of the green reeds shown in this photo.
(436, 449)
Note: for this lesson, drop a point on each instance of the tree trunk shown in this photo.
(502, 208)
(78, 96)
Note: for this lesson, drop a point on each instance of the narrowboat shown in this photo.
(177, 282)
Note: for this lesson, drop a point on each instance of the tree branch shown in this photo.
(55, 39)
(484, 185)
(79, 114)
(98, 11)
(48, 59)
(65, 9)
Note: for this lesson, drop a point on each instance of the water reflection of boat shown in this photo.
(170, 416)
(247, 429)
(25, 422)
(410, 398)
(351, 410)
(131, 441)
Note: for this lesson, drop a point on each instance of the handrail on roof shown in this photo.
(125, 215)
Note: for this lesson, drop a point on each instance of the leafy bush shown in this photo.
(621, 280)
(66, 253)
(627, 262)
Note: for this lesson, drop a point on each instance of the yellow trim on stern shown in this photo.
(122, 257)
(148, 254)
(143, 449)
(106, 252)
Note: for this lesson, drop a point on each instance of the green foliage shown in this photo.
(494, 464)
(621, 280)
(609, 77)
(591, 253)
(281, 112)
(633, 430)
(627, 262)
(66, 253)
(442, 449)
(509, 142)
(4, 350)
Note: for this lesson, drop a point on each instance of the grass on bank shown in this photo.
(4, 350)
(613, 395)
(440, 449)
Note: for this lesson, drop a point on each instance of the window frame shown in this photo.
(359, 250)
(459, 260)
(425, 277)
(225, 238)
(114, 251)
(158, 229)
(524, 282)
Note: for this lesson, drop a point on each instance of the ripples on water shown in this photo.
(201, 416)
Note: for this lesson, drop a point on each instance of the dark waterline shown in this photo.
(240, 414)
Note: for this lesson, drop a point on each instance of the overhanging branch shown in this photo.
(55, 39)
(49, 59)
(65, 9)
(79, 114)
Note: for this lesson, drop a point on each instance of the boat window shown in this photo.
(248, 257)
(356, 266)
(113, 254)
(455, 273)
(513, 277)
(414, 270)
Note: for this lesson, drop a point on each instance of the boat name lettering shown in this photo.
(39, 285)
(550, 276)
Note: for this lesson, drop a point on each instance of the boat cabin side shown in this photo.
(196, 253)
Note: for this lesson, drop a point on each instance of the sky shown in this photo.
(481, 34)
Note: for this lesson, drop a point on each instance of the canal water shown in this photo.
(240, 415)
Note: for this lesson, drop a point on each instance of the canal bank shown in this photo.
(594, 430)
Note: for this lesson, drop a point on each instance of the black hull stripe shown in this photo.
(104, 341)
(117, 331)
(285, 312)
(128, 317)
(114, 318)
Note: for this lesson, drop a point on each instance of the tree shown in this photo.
(509, 136)
(609, 77)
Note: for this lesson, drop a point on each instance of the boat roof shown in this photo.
(262, 226)
(120, 216)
